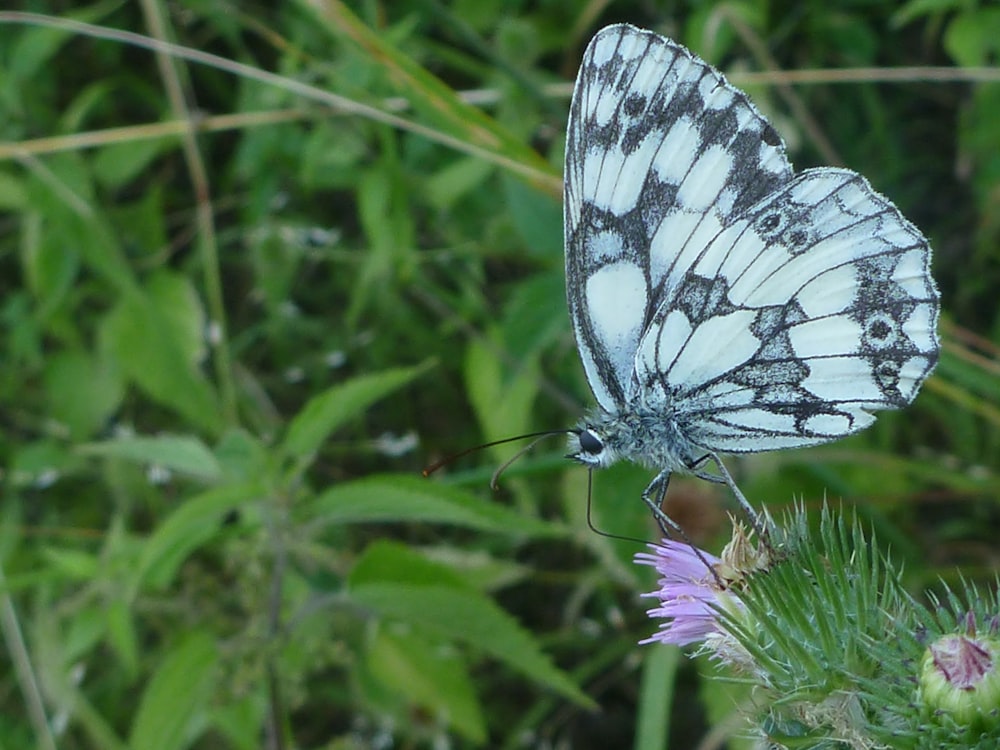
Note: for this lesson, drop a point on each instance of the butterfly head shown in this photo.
(587, 446)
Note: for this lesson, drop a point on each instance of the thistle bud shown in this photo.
(960, 677)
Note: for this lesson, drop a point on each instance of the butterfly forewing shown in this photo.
(747, 307)
(661, 154)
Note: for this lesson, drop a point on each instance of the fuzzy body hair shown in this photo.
(642, 435)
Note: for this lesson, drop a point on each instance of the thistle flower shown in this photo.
(688, 592)
(695, 585)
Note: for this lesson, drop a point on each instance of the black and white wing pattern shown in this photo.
(720, 301)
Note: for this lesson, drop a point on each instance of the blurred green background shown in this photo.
(261, 263)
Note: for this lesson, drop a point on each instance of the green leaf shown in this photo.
(535, 314)
(242, 456)
(83, 632)
(122, 636)
(40, 463)
(73, 564)
(973, 38)
(431, 97)
(390, 561)
(177, 300)
(82, 391)
(721, 698)
(239, 721)
(51, 264)
(538, 218)
(33, 50)
(180, 453)
(430, 679)
(471, 618)
(194, 523)
(327, 412)
(385, 210)
(452, 611)
(13, 193)
(175, 699)
(656, 695)
(489, 384)
(63, 195)
(456, 180)
(118, 163)
(155, 351)
(142, 227)
(394, 498)
(914, 9)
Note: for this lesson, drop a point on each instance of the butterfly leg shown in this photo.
(653, 496)
(724, 477)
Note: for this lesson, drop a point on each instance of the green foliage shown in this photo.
(237, 322)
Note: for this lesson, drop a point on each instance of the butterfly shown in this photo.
(722, 302)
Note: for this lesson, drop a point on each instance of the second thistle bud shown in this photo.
(960, 677)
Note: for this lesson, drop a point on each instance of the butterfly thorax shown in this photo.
(639, 434)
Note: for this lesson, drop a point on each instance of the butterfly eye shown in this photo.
(590, 443)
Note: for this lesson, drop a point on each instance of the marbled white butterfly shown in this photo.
(723, 303)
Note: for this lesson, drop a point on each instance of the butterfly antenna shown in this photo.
(455, 456)
(495, 479)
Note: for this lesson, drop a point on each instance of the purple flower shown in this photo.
(690, 592)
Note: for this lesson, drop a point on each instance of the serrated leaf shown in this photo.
(181, 453)
(429, 678)
(417, 591)
(325, 413)
(471, 618)
(176, 697)
(193, 524)
(391, 561)
(393, 498)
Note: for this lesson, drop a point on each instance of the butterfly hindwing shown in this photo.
(661, 155)
(811, 310)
